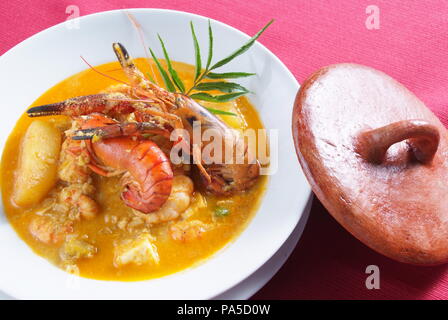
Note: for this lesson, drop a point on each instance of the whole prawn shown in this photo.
(158, 110)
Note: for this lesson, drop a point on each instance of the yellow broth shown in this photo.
(174, 255)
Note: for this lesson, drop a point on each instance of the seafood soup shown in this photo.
(89, 184)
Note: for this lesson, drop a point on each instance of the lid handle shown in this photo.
(422, 137)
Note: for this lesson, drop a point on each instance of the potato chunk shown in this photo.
(37, 171)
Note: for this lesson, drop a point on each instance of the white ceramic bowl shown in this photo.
(40, 62)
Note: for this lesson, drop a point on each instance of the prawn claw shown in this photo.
(148, 174)
(45, 110)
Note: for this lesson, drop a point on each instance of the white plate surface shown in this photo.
(50, 56)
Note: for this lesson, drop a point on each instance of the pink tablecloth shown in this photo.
(411, 45)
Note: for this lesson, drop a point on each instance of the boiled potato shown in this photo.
(37, 171)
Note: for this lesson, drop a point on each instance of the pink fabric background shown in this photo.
(411, 45)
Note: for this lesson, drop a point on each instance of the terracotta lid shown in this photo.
(375, 156)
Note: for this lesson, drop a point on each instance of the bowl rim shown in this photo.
(280, 239)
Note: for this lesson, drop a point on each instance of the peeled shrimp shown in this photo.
(47, 230)
(72, 164)
(77, 196)
(73, 170)
(178, 201)
(188, 230)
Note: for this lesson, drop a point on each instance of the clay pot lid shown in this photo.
(394, 199)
